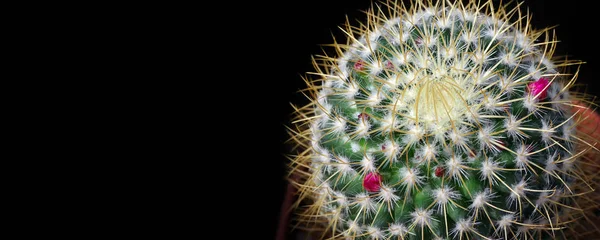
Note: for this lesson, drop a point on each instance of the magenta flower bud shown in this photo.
(389, 64)
(538, 87)
(439, 171)
(359, 65)
(372, 182)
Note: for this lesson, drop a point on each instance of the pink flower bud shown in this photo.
(372, 182)
(439, 171)
(363, 116)
(359, 65)
(538, 87)
(389, 64)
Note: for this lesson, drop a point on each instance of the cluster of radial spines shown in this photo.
(444, 122)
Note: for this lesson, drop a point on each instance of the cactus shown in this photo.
(443, 120)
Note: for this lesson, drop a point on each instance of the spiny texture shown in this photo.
(442, 121)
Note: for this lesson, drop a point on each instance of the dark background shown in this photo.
(286, 34)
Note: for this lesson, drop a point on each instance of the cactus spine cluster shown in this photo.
(441, 121)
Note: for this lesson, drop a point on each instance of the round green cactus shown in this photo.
(442, 121)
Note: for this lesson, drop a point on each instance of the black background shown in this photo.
(282, 37)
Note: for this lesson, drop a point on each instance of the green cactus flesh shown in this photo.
(442, 122)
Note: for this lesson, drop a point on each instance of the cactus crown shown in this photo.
(441, 121)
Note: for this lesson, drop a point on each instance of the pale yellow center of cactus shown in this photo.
(438, 100)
